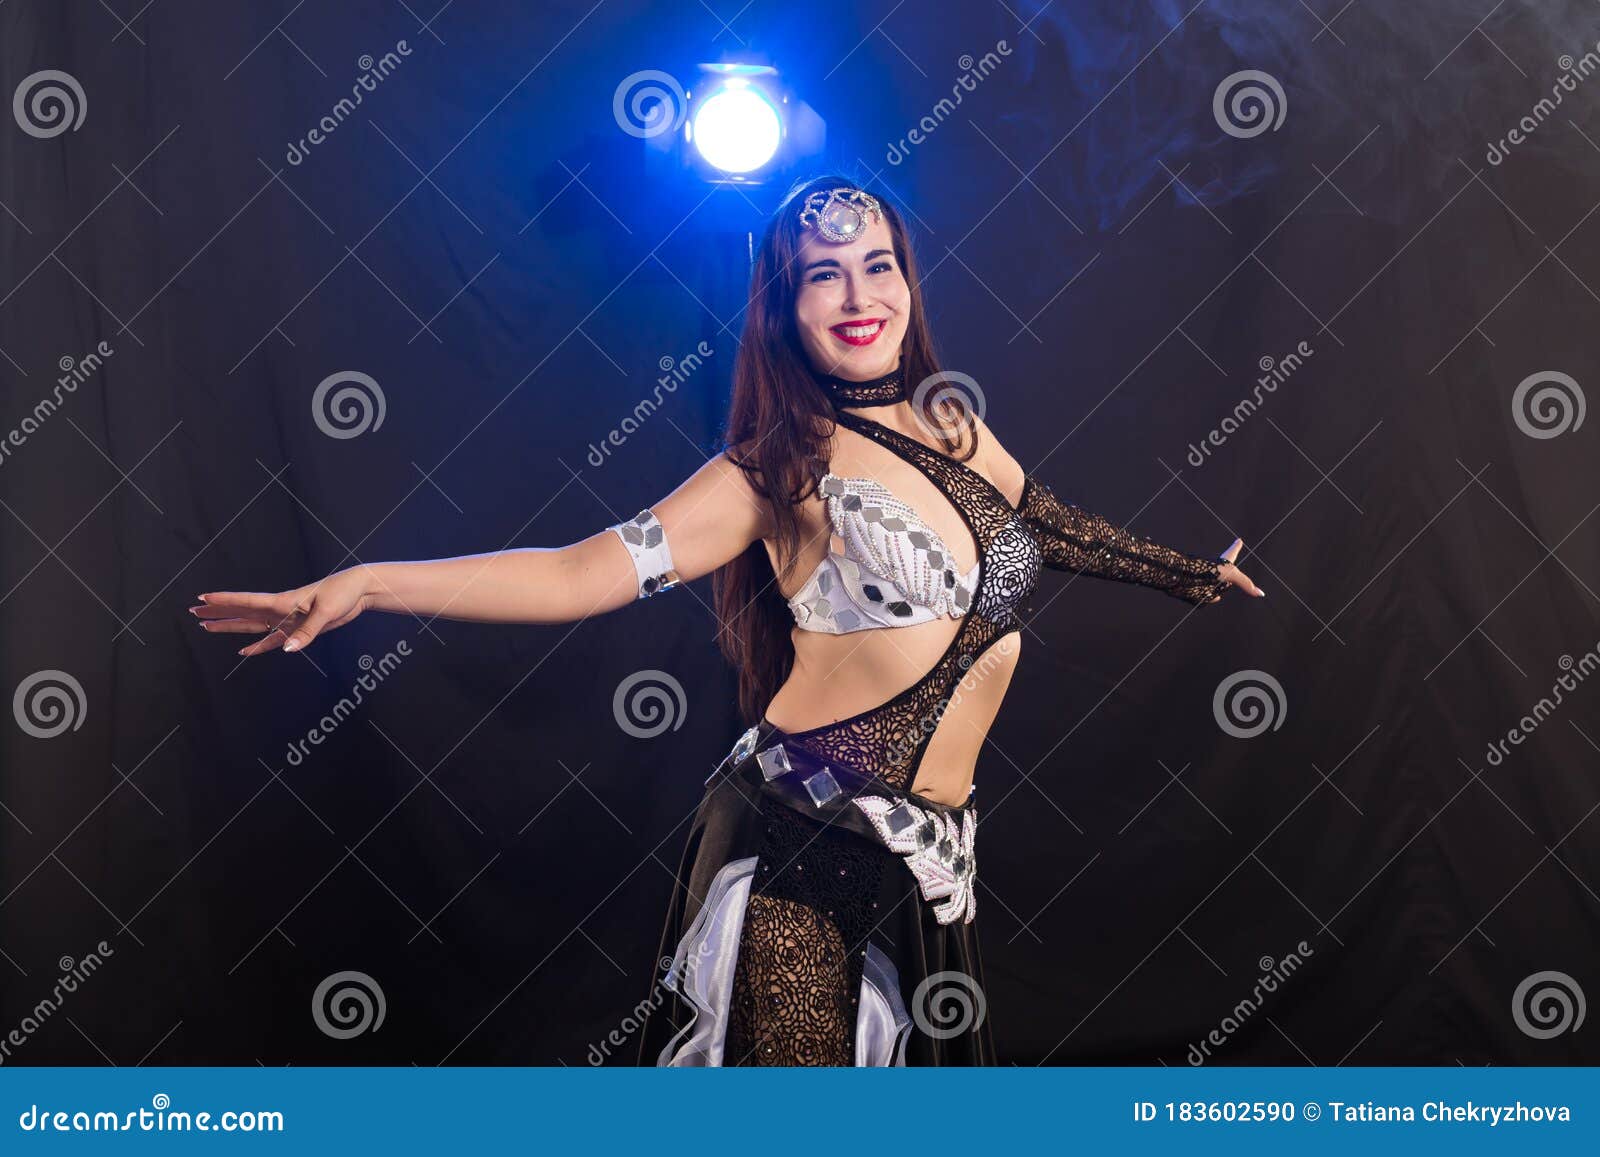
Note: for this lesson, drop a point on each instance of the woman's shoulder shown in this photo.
(995, 462)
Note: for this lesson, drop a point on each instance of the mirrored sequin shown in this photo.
(822, 787)
(774, 761)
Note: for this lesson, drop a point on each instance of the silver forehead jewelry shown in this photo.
(840, 214)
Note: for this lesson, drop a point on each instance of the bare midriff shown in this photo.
(837, 677)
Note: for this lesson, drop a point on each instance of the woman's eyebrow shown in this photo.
(829, 261)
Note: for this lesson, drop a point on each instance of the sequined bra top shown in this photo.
(895, 571)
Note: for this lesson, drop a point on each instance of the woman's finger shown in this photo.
(226, 611)
(269, 642)
(233, 626)
(260, 600)
(308, 629)
(1242, 581)
(1233, 550)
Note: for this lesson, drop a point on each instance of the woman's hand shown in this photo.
(291, 618)
(1232, 574)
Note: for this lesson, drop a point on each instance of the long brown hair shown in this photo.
(780, 424)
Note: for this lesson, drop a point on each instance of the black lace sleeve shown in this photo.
(1072, 538)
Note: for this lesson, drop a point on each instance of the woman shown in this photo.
(870, 542)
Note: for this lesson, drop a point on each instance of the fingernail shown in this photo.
(1263, 594)
(292, 645)
(204, 598)
(201, 623)
(242, 650)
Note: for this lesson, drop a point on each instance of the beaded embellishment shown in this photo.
(940, 852)
(646, 541)
(894, 571)
(840, 214)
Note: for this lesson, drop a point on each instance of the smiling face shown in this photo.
(853, 303)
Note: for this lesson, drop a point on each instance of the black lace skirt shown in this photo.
(820, 917)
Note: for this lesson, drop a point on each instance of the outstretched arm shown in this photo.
(709, 520)
(1075, 539)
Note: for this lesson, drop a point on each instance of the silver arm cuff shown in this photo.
(646, 541)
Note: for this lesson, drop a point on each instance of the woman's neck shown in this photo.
(877, 393)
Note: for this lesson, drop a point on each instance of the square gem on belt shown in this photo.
(774, 762)
(822, 787)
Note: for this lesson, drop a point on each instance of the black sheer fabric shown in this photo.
(1074, 539)
(880, 391)
(822, 893)
(889, 740)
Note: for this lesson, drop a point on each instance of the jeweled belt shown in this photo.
(935, 840)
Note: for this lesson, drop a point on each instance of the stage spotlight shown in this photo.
(735, 128)
(741, 126)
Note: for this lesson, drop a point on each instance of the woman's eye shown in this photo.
(819, 276)
(880, 267)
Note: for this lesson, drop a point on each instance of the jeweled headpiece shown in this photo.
(840, 214)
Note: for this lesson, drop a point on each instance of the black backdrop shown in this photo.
(480, 837)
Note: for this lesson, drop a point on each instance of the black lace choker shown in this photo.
(882, 391)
